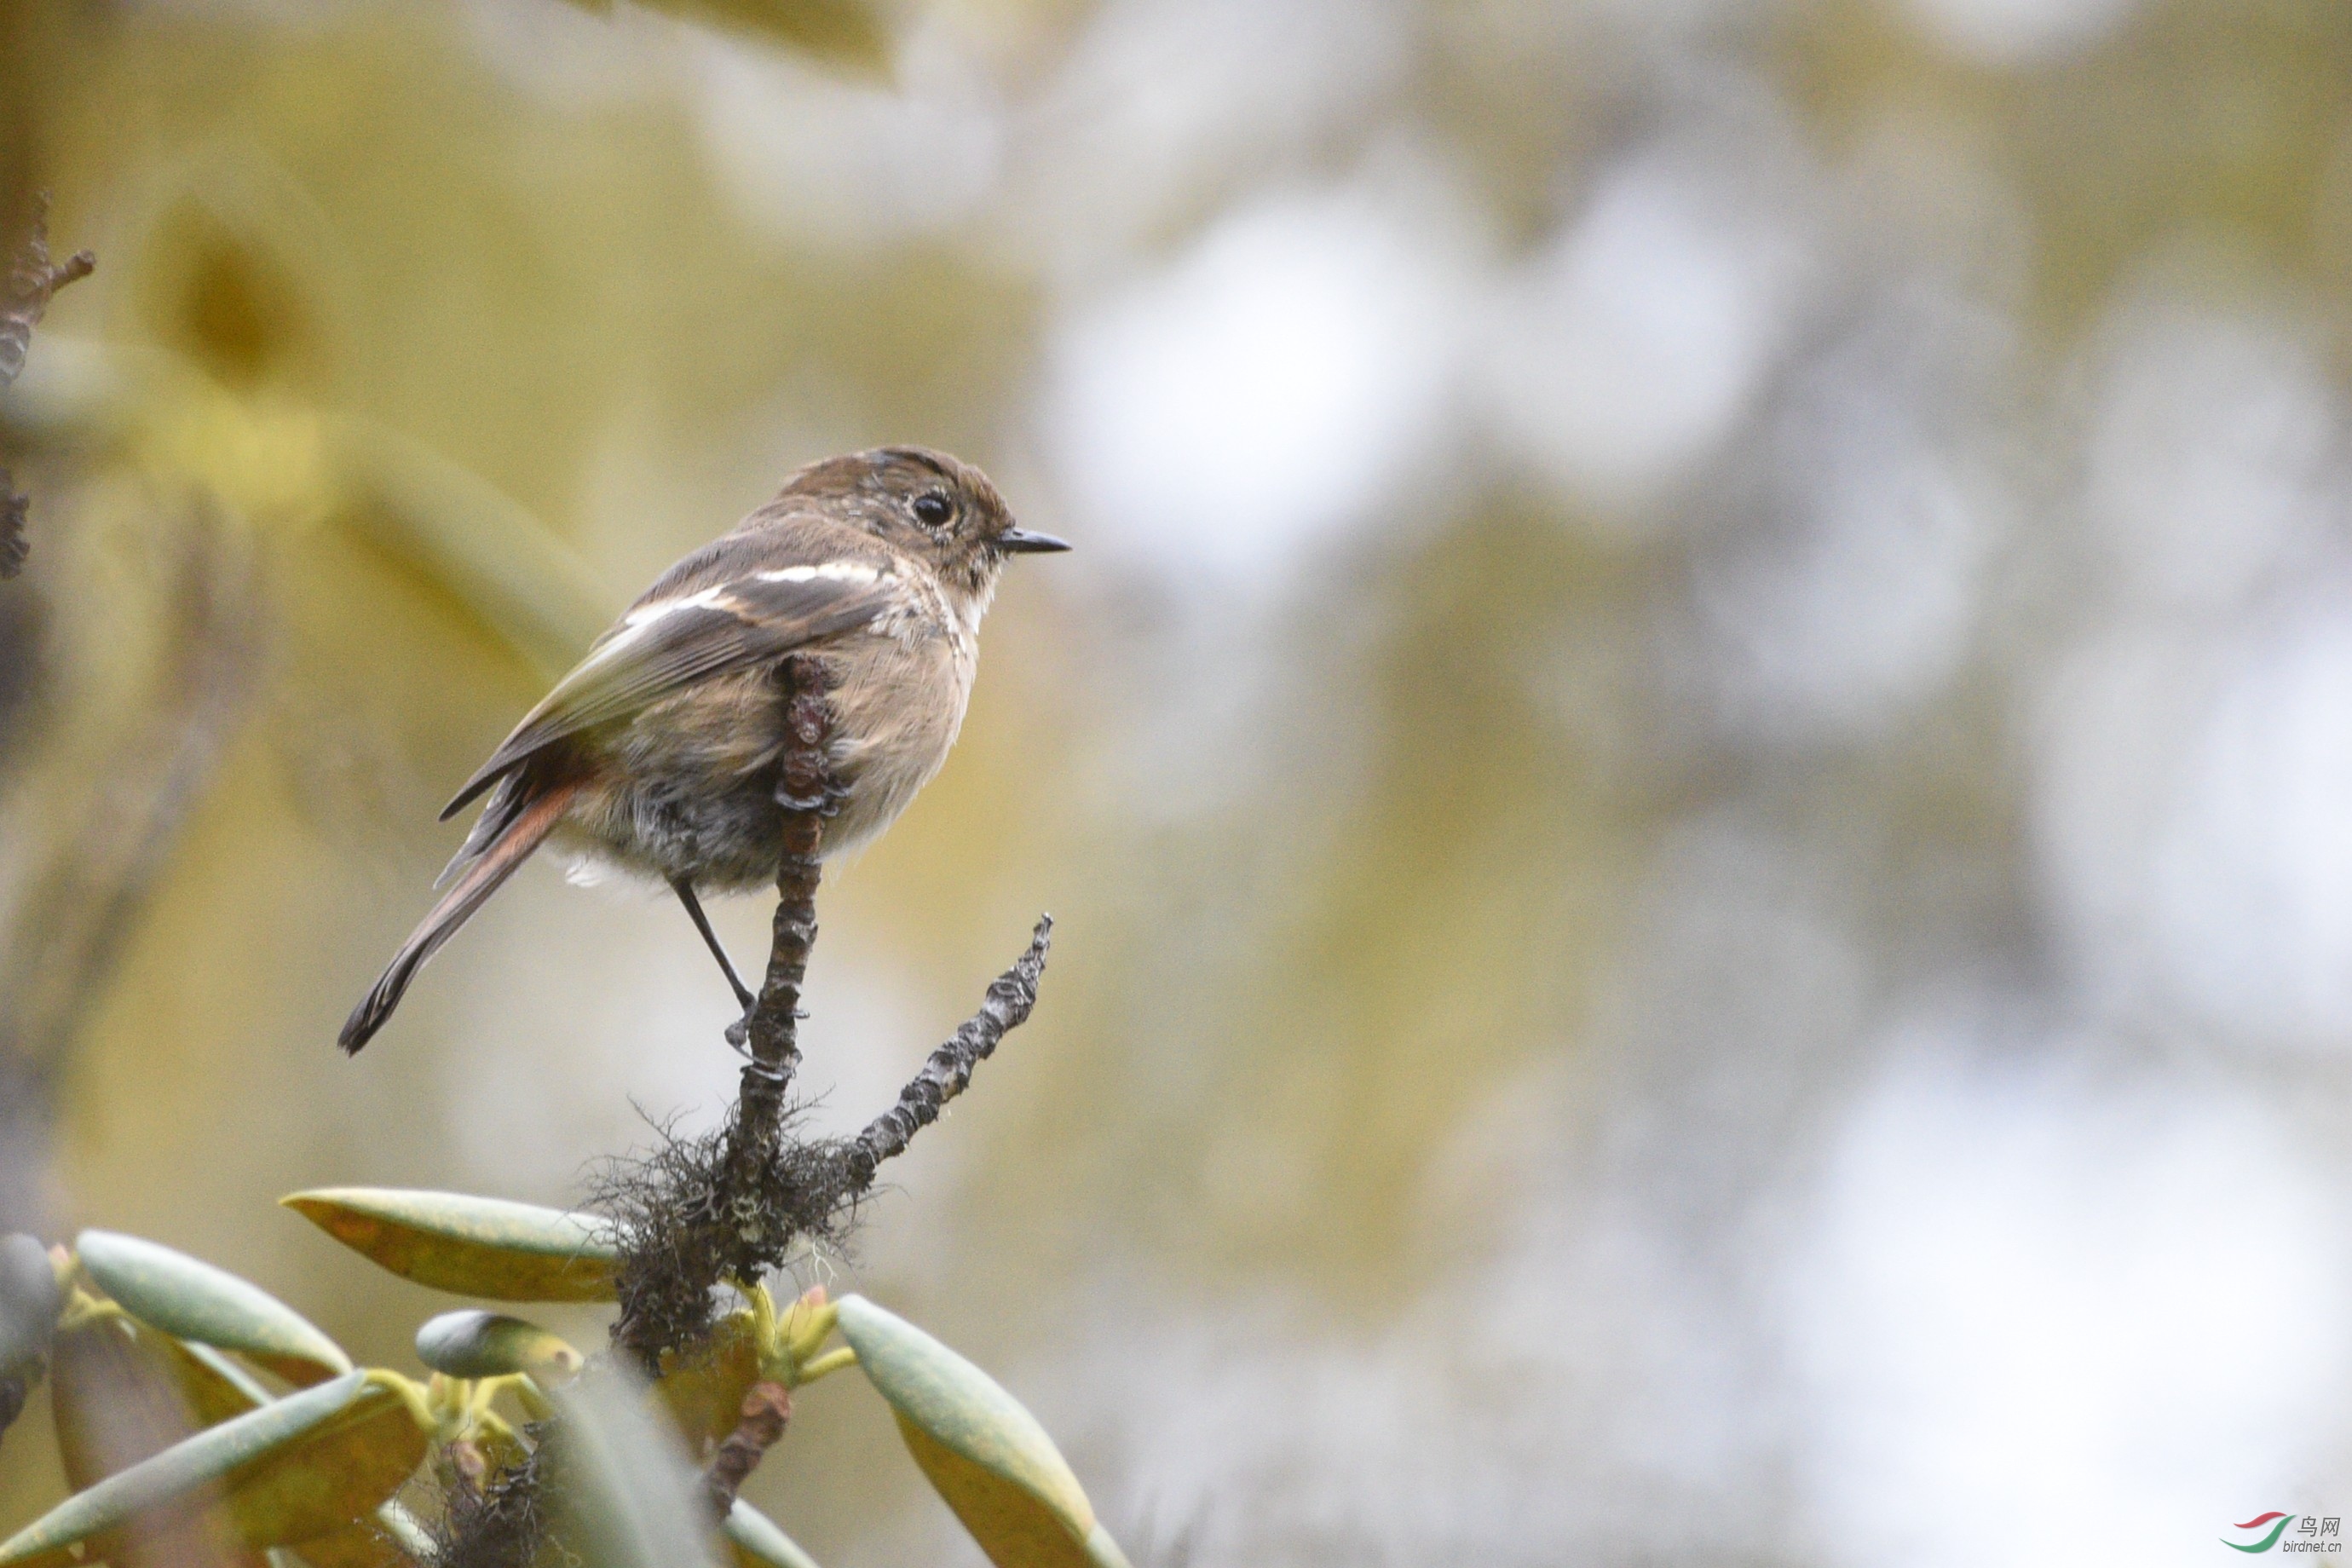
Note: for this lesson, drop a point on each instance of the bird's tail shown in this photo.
(471, 890)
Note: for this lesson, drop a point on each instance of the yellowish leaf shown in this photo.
(470, 1245)
(703, 1388)
(390, 1539)
(1012, 1525)
(287, 1472)
(484, 548)
(983, 1451)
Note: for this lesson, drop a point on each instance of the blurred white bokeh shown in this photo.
(2251, 870)
(2195, 748)
(1627, 348)
(2050, 1305)
(2214, 454)
(641, 1038)
(2018, 32)
(1276, 381)
(823, 161)
(1163, 106)
(1847, 592)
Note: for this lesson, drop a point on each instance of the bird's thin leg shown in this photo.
(685, 891)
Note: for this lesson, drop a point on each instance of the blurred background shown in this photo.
(1697, 763)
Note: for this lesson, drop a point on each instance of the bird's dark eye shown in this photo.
(933, 507)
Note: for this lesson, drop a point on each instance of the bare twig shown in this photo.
(767, 1409)
(949, 1068)
(31, 282)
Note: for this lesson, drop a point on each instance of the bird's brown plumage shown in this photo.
(658, 751)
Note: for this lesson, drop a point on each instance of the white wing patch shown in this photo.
(641, 620)
(839, 571)
(646, 615)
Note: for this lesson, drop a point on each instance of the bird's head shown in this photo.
(929, 505)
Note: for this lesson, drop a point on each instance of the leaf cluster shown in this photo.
(202, 1420)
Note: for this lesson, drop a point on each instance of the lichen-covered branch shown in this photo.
(696, 1210)
(949, 1068)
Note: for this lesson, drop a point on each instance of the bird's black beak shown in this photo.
(1021, 541)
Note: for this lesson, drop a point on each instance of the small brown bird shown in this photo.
(659, 751)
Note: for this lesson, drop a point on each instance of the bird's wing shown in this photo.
(676, 634)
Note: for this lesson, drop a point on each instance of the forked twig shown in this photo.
(948, 1070)
(31, 282)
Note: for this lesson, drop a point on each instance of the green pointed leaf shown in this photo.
(192, 1299)
(29, 1299)
(983, 1453)
(291, 1471)
(113, 1404)
(757, 1542)
(490, 1344)
(469, 1245)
